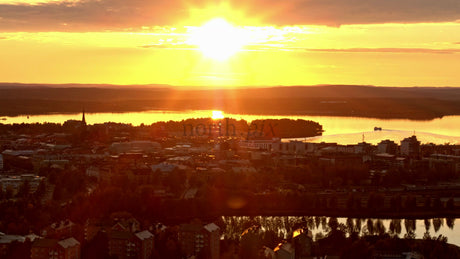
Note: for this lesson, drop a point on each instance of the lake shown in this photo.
(343, 130)
(283, 226)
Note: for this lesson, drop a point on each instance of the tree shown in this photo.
(427, 225)
(396, 226)
(409, 224)
(333, 223)
(437, 223)
(379, 227)
(370, 226)
(350, 225)
(409, 235)
(450, 222)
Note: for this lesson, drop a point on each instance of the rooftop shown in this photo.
(69, 242)
(144, 235)
(211, 227)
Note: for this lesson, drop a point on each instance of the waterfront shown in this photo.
(284, 226)
(343, 130)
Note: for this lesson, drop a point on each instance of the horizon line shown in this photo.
(192, 88)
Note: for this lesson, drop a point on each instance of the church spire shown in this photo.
(83, 120)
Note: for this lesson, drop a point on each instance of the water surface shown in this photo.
(284, 226)
(343, 130)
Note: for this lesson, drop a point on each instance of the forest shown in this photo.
(417, 103)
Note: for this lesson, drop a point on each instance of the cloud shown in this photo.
(88, 15)
(97, 15)
(356, 50)
(390, 50)
(182, 46)
(338, 12)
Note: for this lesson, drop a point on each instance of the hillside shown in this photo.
(337, 100)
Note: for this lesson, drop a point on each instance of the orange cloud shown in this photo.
(97, 15)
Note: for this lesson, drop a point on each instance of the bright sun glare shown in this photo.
(218, 39)
(217, 115)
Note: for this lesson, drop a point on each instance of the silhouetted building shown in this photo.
(303, 244)
(54, 249)
(122, 244)
(387, 146)
(202, 241)
(250, 242)
(285, 250)
(410, 147)
(7, 240)
(145, 244)
(126, 242)
(14, 182)
(83, 119)
(60, 230)
(18, 160)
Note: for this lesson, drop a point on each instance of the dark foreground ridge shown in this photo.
(419, 103)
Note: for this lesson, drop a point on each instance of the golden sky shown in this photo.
(231, 43)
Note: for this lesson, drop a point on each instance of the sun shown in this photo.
(217, 115)
(218, 39)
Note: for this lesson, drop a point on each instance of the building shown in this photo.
(54, 249)
(198, 240)
(259, 144)
(60, 230)
(145, 244)
(20, 160)
(6, 240)
(363, 148)
(444, 162)
(164, 168)
(125, 244)
(126, 241)
(213, 240)
(70, 248)
(121, 244)
(410, 147)
(14, 182)
(295, 147)
(143, 147)
(387, 146)
(285, 250)
(303, 243)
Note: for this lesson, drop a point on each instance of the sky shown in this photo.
(204, 43)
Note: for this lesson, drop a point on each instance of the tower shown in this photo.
(83, 120)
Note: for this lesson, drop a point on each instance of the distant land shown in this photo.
(417, 103)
